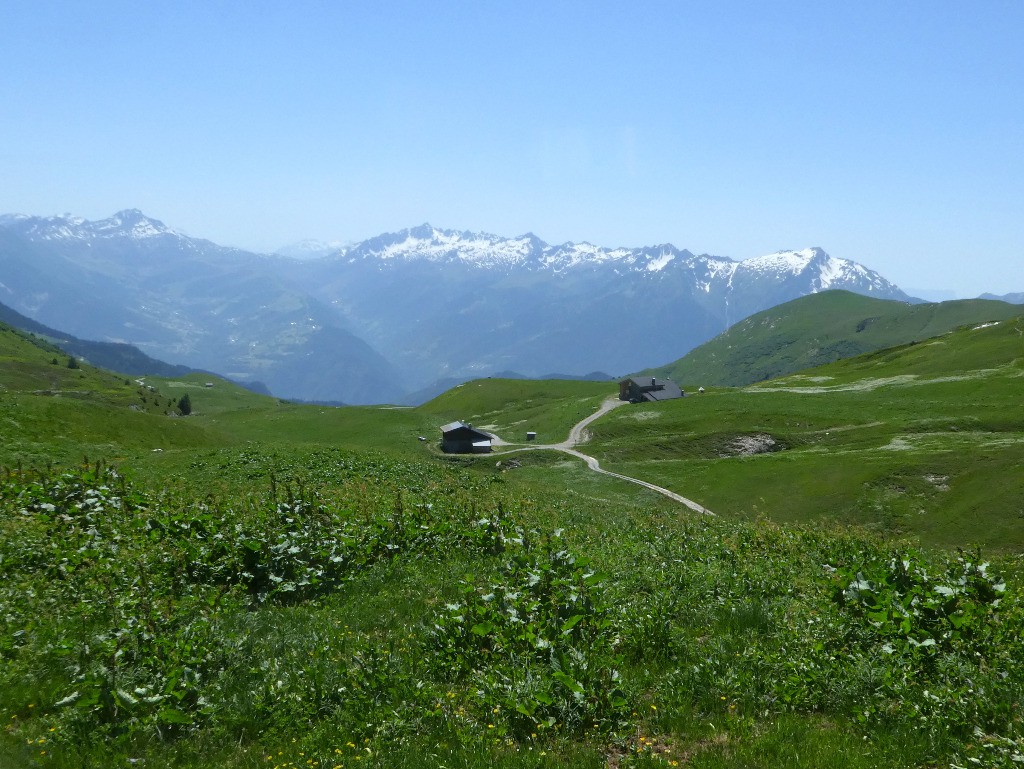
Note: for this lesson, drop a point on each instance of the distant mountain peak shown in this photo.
(796, 260)
(825, 271)
(130, 223)
(129, 215)
(432, 244)
(311, 248)
(134, 223)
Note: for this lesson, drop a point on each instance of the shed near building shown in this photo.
(638, 389)
(462, 438)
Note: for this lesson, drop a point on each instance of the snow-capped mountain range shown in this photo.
(369, 321)
(529, 252)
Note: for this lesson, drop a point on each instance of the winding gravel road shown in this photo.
(577, 435)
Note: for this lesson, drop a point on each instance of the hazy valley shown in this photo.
(380, 320)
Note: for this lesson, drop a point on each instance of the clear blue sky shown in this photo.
(888, 133)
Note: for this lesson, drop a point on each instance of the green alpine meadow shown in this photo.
(193, 575)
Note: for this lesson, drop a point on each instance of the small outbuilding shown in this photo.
(463, 438)
(638, 389)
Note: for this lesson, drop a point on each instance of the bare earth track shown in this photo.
(578, 435)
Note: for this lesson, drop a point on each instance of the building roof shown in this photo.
(669, 391)
(470, 432)
(653, 389)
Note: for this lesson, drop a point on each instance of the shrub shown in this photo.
(537, 641)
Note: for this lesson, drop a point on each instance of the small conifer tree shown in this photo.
(184, 405)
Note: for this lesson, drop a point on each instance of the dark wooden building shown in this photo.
(461, 438)
(639, 389)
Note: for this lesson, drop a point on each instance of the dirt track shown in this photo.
(577, 436)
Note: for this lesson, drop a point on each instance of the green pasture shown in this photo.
(270, 584)
(513, 407)
(923, 441)
(354, 609)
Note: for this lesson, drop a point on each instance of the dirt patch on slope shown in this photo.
(748, 445)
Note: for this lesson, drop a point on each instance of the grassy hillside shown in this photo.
(288, 585)
(58, 413)
(51, 411)
(921, 440)
(123, 358)
(819, 329)
(511, 407)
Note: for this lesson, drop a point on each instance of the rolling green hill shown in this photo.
(511, 407)
(122, 358)
(924, 440)
(818, 329)
(57, 408)
(289, 585)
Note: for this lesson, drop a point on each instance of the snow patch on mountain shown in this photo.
(571, 255)
(792, 262)
(719, 268)
(130, 223)
(431, 244)
(658, 263)
(831, 271)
